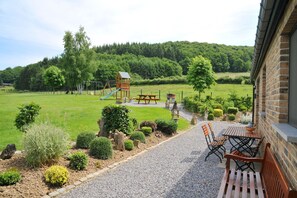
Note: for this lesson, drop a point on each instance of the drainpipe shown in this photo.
(254, 97)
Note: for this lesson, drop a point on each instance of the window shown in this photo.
(293, 81)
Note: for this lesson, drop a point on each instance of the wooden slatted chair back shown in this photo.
(206, 134)
(276, 184)
(211, 130)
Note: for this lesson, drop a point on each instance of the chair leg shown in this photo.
(213, 151)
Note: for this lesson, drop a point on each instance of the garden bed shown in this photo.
(33, 184)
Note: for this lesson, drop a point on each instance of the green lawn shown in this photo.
(74, 113)
(232, 75)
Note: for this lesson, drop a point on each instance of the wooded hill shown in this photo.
(141, 60)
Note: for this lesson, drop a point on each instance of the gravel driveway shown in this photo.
(175, 168)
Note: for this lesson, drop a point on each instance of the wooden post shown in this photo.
(159, 94)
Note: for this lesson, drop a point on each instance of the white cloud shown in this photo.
(45, 22)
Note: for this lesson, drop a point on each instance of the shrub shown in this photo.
(84, 139)
(231, 117)
(56, 175)
(146, 130)
(150, 124)
(134, 123)
(26, 115)
(167, 127)
(242, 108)
(117, 117)
(78, 160)
(210, 116)
(218, 112)
(137, 135)
(217, 106)
(44, 143)
(101, 148)
(226, 105)
(129, 145)
(9, 177)
(245, 119)
(232, 110)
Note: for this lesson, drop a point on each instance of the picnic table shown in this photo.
(147, 98)
(240, 139)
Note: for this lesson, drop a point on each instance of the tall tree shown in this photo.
(200, 74)
(78, 59)
(53, 77)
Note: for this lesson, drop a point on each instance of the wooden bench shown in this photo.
(147, 99)
(269, 182)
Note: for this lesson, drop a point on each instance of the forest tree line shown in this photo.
(141, 60)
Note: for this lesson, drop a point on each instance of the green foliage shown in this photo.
(138, 135)
(26, 116)
(78, 160)
(53, 77)
(116, 117)
(231, 117)
(167, 127)
(217, 106)
(84, 139)
(146, 130)
(101, 148)
(242, 108)
(129, 145)
(210, 116)
(218, 112)
(10, 177)
(56, 175)
(232, 110)
(226, 105)
(200, 74)
(44, 143)
(150, 124)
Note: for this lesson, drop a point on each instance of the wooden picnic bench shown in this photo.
(147, 98)
(269, 182)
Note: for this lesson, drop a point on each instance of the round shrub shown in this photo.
(129, 145)
(9, 177)
(137, 135)
(242, 108)
(56, 175)
(167, 127)
(84, 139)
(231, 117)
(217, 112)
(146, 130)
(232, 110)
(44, 143)
(210, 116)
(150, 124)
(217, 106)
(101, 148)
(78, 160)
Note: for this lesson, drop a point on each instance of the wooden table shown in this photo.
(147, 97)
(240, 139)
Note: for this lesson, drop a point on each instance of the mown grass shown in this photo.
(73, 113)
(232, 75)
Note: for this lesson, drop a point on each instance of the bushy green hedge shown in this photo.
(101, 148)
(78, 160)
(84, 139)
(159, 81)
(218, 112)
(56, 175)
(237, 80)
(167, 127)
(44, 143)
(137, 135)
(10, 177)
(232, 110)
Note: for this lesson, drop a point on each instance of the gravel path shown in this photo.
(175, 168)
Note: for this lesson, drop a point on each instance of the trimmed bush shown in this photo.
(151, 124)
(78, 160)
(44, 143)
(217, 112)
(129, 145)
(101, 148)
(217, 106)
(84, 139)
(137, 135)
(231, 117)
(56, 175)
(26, 116)
(167, 127)
(146, 130)
(242, 108)
(232, 110)
(10, 177)
(210, 116)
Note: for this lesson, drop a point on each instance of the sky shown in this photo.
(33, 29)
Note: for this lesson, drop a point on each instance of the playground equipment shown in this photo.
(123, 87)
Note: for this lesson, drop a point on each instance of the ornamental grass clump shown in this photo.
(137, 135)
(84, 139)
(10, 177)
(56, 175)
(101, 148)
(78, 160)
(44, 143)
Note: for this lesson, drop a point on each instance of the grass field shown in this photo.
(232, 75)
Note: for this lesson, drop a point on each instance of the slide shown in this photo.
(110, 94)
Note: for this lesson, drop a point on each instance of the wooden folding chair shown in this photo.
(252, 152)
(216, 138)
(213, 146)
